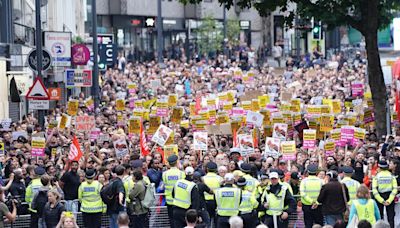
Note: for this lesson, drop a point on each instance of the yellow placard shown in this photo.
(149, 103)
(329, 145)
(172, 100)
(325, 109)
(132, 86)
(120, 104)
(170, 150)
(314, 109)
(263, 100)
(335, 134)
(171, 139)
(246, 105)
(221, 119)
(192, 108)
(73, 107)
(336, 106)
(134, 125)
(63, 121)
(154, 123)
(161, 104)
(212, 113)
(212, 103)
(223, 97)
(309, 134)
(185, 124)
(255, 105)
(89, 102)
(138, 112)
(326, 123)
(227, 106)
(177, 113)
(38, 142)
(138, 103)
(288, 147)
(231, 96)
(359, 133)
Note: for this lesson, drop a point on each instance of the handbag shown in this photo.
(347, 211)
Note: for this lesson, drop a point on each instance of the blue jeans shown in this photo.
(332, 219)
(71, 205)
(113, 220)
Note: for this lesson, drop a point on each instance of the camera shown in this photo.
(10, 198)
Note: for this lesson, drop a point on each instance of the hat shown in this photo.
(273, 175)
(189, 171)
(90, 173)
(245, 167)
(212, 166)
(280, 173)
(347, 169)
(238, 173)
(234, 150)
(372, 146)
(312, 169)
(295, 176)
(229, 177)
(172, 159)
(264, 175)
(39, 170)
(383, 164)
(241, 182)
(137, 164)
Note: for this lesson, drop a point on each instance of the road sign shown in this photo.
(39, 104)
(55, 94)
(46, 60)
(78, 78)
(59, 44)
(108, 53)
(38, 91)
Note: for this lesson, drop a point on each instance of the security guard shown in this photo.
(170, 177)
(351, 184)
(260, 190)
(185, 196)
(213, 181)
(228, 200)
(384, 189)
(279, 203)
(309, 191)
(247, 206)
(90, 199)
(31, 191)
(252, 182)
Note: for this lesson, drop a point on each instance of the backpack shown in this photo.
(40, 201)
(107, 194)
(149, 199)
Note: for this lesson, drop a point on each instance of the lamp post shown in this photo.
(95, 88)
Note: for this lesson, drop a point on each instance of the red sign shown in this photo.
(38, 91)
(55, 94)
(80, 54)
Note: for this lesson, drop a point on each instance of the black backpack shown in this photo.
(40, 201)
(107, 194)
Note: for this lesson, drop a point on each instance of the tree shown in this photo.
(233, 31)
(210, 37)
(367, 16)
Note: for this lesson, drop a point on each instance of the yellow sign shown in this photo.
(120, 104)
(192, 108)
(288, 147)
(335, 134)
(73, 107)
(170, 150)
(177, 113)
(154, 123)
(326, 123)
(172, 100)
(246, 105)
(138, 104)
(359, 133)
(185, 124)
(309, 134)
(336, 106)
(314, 109)
(38, 142)
(89, 102)
(227, 106)
(263, 100)
(329, 145)
(63, 121)
(134, 125)
(138, 112)
(255, 105)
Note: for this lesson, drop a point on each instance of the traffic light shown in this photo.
(316, 31)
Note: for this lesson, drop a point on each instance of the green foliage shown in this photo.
(77, 40)
(210, 37)
(233, 31)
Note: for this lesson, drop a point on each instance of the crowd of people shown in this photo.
(220, 180)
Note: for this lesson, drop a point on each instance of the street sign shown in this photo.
(55, 94)
(80, 54)
(46, 60)
(39, 104)
(108, 53)
(59, 44)
(78, 78)
(38, 91)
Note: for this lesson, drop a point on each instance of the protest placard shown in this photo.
(309, 137)
(94, 133)
(272, 147)
(172, 100)
(254, 118)
(359, 133)
(357, 88)
(329, 147)
(73, 107)
(177, 113)
(120, 104)
(326, 123)
(280, 131)
(38, 145)
(84, 123)
(134, 125)
(200, 139)
(103, 138)
(347, 134)
(121, 148)
(246, 144)
(64, 121)
(170, 150)
(162, 134)
(288, 149)
(5, 124)
(162, 108)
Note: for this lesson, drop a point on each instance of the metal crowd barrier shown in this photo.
(158, 217)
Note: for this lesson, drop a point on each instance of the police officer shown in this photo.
(279, 203)
(128, 182)
(283, 182)
(185, 196)
(384, 189)
(247, 206)
(309, 191)
(90, 199)
(260, 190)
(351, 184)
(213, 181)
(170, 177)
(31, 191)
(228, 201)
(252, 182)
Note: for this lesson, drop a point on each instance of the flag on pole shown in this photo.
(75, 152)
(143, 142)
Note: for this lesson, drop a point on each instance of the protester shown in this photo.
(53, 209)
(364, 208)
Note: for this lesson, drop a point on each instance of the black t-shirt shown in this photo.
(71, 184)
(203, 188)
(118, 186)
